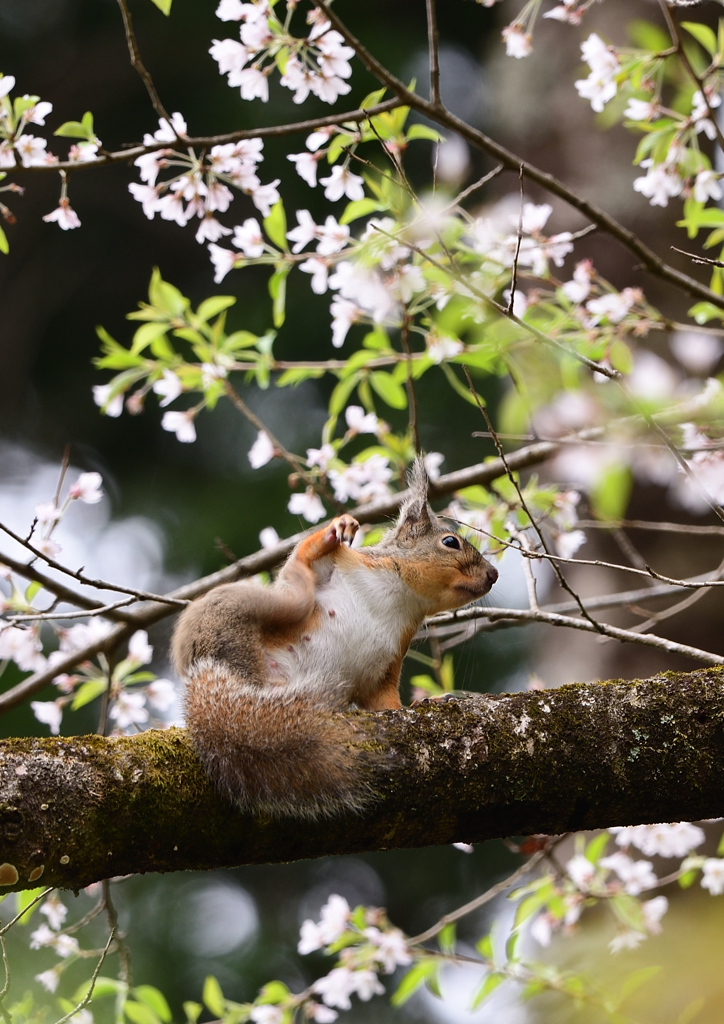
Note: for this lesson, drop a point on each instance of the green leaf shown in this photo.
(103, 987)
(275, 225)
(192, 1011)
(272, 992)
(210, 307)
(446, 938)
(638, 978)
(377, 339)
(415, 977)
(359, 208)
(720, 847)
(487, 988)
(278, 292)
(146, 334)
(484, 946)
(23, 899)
(702, 312)
(138, 1013)
(620, 356)
(596, 847)
(156, 1000)
(423, 131)
(4, 245)
(212, 996)
(164, 297)
(372, 99)
(388, 389)
(691, 1011)
(78, 129)
(87, 692)
(610, 493)
(31, 590)
(688, 878)
(703, 35)
(340, 394)
(239, 339)
(163, 5)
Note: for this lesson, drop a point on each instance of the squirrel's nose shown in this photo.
(492, 574)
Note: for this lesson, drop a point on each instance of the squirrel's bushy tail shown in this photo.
(270, 750)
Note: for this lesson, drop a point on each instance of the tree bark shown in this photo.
(78, 809)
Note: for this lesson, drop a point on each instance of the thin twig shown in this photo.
(410, 385)
(479, 901)
(94, 977)
(123, 953)
(138, 64)
(6, 928)
(518, 241)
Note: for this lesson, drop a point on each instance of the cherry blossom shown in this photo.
(306, 165)
(342, 182)
(390, 948)
(305, 232)
(248, 237)
(580, 871)
(661, 182)
(337, 987)
(319, 269)
(63, 215)
(262, 451)
(87, 488)
(161, 694)
(31, 150)
(169, 386)
(47, 512)
(360, 422)
(55, 910)
(181, 424)
(129, 709)
(713, 875)
(699, 353)
(440, 348)
(266, 1015)
(653, 910)
(706, 186)
(636, 875)
(49, 712)
(517, 41)
(320, 456)
(308, 505)
(139, 648)
(600, 86)
(641, 110)
(22, 646)
(433, 461)
(7, 84)
(48, 979)
(675, 840)
(110, 405)
(268, 537)
(223, 260)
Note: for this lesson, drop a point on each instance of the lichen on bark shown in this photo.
(77, 809)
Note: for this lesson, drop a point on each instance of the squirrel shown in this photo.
(265, 665)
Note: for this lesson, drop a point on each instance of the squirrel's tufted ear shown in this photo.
(416, 517)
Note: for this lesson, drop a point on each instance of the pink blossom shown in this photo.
(139, 648)
(171, 207)
(7, 84)
(48, 712)
(305, 232)
(87, 488)
(517, 42)
(32, 151)
(265, 196)
(318, 268)
(344, 314)
(63, 214)
(147, 195)
(111, 406)
(129, 709)
(211, 230)
(229, 55)
(253, 83)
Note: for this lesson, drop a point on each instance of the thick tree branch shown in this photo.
(580, 757)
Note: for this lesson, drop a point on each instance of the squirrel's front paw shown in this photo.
(341, 530)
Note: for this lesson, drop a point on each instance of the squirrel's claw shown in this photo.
(440, 698)
(342, 530)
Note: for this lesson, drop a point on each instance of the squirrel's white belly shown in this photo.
(364, 617)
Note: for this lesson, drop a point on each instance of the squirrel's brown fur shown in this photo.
(266, 667)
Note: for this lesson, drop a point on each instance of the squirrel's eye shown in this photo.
(451, 542)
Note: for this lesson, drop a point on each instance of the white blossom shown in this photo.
(321, 1014)
(433, 461)
(626, 940)
(31, 149)
(252, 82)
(47, 512)
(319, 269)
(660, 183)
(249, 239)
(641, 110)
(266, 1015)
(262, 451)
(87, 488)
(55, 910)
(320, 456)
(7, 84)
(636, 875)
(361, 422)
(228, 54)
(712, 875)
(517, 41)
(580, 871)
(161, 694)
(48, 979)
(224, 260)
(169, 386)
(49, 712)
(265, 196)
(578, 289)
(600, 86)
(22, 646)
(139, 648)
(268, 537)
(613, 306)
(147, 195)
(129, 709)
(306, 165)
(336, 987)
(676, 840)
(697, 352)
(181, 424)
(367, 984)
(308, 505)
(706, 186)
(542, 929)
(344, 314)
(342, 182)
(440, 348)
(390, 948)
(653, 910)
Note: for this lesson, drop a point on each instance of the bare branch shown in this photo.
(138, 64)
(433, 43)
